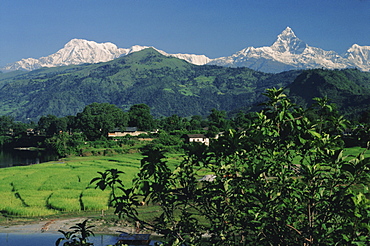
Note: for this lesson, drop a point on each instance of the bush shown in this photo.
(282, 181)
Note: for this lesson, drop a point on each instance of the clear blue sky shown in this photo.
(215, 28)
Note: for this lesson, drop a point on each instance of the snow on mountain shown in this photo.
(289, 52)
(76, 51)
(24, 64)
(359, 56)
(79, 51)
(191, 58)
(286, 53)
(287, 42)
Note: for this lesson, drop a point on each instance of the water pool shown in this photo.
(48, 239)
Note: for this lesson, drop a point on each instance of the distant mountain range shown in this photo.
(169, 86)
(289, 52)
(286, 53)
(80, 51)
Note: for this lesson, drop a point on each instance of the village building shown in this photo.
(198, 138)
(132, 131)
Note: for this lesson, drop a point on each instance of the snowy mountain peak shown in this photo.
(79, 51)
(289, 52)
(358, 48)
(287, 32)
(76, 51)
(76, 42)
(136, 48)
(84, 47)
(286, 53)
(359, 56)
(287, 41)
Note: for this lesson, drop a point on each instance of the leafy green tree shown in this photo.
(12, 132)
(140, 117)
(196, 123)
(282, 181)
(218, 119)
(6, 124)
(71, 123)
(97, 119)
(173, 123)
(51, 124)
(328, 118)
(168, 142)
(6, 129)
(217, 122)
(20, 128)
(243, 120)
(65, 144)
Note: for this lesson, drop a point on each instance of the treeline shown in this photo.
(66, 134)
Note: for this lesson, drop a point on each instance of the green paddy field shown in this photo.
(59, 187)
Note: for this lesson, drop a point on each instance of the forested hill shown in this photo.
(349, 89)
(168, 85)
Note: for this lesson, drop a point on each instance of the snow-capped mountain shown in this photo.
(191, 58)
(359, 56)
(76, 51)
(79, 51)
(286, 53)
(289, 52)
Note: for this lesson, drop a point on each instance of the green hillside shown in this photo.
(168, 85)
(349, 89)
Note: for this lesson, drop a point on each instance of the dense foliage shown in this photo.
(97, 119)
(281, 180)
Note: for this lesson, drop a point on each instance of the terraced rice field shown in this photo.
(61, 186)
(64, 186)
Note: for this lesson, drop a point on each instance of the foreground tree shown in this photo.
(77, 236)
(283, 180)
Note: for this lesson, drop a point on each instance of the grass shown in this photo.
(95, 200)
(58, 187)
(65, 200)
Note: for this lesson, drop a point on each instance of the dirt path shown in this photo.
(53, 225)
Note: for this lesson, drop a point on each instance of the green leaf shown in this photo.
(315, 134)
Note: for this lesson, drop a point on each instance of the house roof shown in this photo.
(195, 135)
(125, 129)
(130, 129)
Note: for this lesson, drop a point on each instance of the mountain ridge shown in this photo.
(286, 53)
(167, 84)
(80, 51)
(289, 52)
(349, 89)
